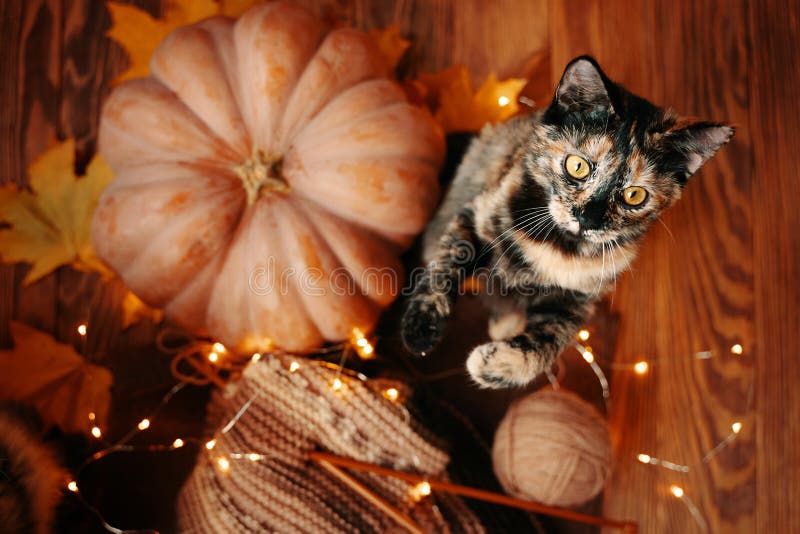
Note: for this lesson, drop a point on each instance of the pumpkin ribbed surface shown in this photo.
(267, 175)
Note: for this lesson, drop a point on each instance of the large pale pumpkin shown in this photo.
(267, 175)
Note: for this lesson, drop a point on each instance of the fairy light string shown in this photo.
(224, 461)
(210, 363)
(642, 368)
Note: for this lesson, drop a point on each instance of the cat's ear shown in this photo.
(583, 89)
(688, 145)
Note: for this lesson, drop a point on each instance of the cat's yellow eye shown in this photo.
(577, 167)
(634, 196)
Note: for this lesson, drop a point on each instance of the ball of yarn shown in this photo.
(552, 447)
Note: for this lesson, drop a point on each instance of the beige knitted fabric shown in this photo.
(290, 414)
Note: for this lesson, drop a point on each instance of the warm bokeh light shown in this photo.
(218, 347)
(677, 491)
(641, 368)
(421, 490)
(177, 444)
(96, 432)
(256, 357)
(736, 427)
(391, 393)
(72, 486)
(213, 356)
(294, 366)
(144, 424)
(224, 464)
(583, 335)
(503, 101)
(336, 385)
(737, 349)
(644, 458)
(588, 356)
(82, 329)
(210, 444)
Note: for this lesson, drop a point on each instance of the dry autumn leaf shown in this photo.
(460, 109)
(50, 227)
(391, 45)
(139, 33)
(134, 310)
(56, 380)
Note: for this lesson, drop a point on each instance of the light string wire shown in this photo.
(641, 368)
(421, 489)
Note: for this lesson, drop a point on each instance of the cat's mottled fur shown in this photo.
(547, 245)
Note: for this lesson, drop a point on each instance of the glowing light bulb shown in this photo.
(641, 368)
(224, 464)
(336, 385)
(363, 347)
(218, 348)
(737, 349)
(72, 486)
(588, 356)
(144, 424)
(391, 393)
(213, 356)
(256, 357)
(82, 329)
(294, 366)
(583, 335)
(253, 457)
(96, 432)
(210, 444)
(177, 444)
(736, 427)
(644, 458)
(677, 491)
(503, 101)
(418, 492)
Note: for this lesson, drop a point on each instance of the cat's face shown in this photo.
(607, 162)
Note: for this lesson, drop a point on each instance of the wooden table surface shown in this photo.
(725, 272)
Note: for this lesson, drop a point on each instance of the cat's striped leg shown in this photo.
(436, 290)
(516, 361)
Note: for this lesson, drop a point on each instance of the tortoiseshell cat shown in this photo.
(548, 209)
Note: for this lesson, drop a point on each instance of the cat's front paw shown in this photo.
(424, 322)
(501, 364)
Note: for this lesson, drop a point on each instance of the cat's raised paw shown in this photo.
(500, 365)
(424, 321)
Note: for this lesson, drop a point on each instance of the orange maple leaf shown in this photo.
(460, 109)
(391, 45)
(139, 33)
(56, 380)
(134, 310)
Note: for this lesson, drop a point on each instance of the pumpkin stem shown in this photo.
(261, 175)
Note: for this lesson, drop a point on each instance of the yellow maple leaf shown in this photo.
(234, 8)
(134, 310)
(139, 33)
(51, 226)
(56, 380)
(460, 109)
(391, 45)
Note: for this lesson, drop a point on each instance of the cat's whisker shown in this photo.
(529, 227)
(510, 231)
(672, 237)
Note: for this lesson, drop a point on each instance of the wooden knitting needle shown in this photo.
(629, 527)
(378, 502)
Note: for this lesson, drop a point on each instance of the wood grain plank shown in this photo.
(31, 63)
(693, 293)
(774, 86)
